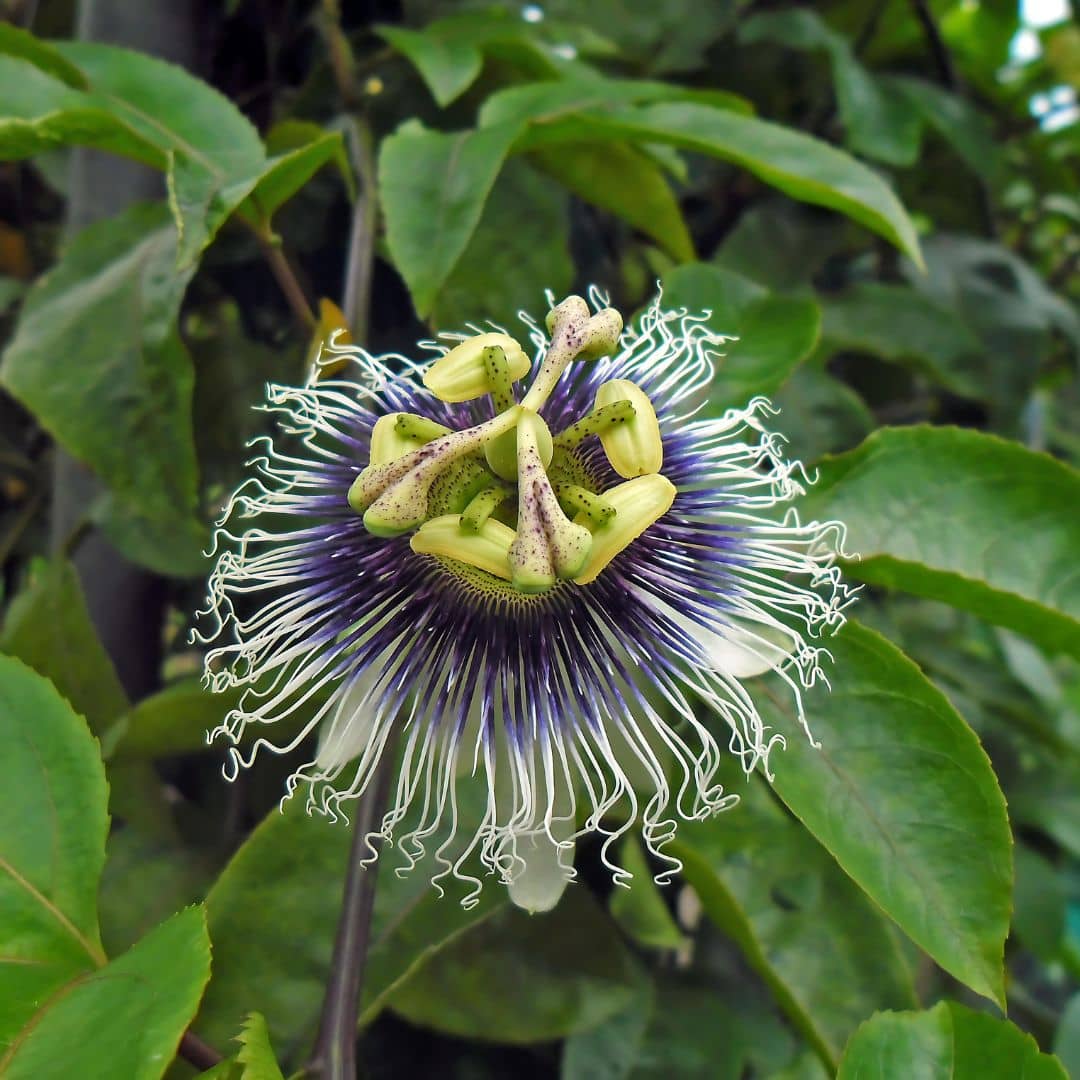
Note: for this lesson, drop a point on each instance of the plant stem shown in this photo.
(283, 272)
(334, 1056)
(361, 256)
(197, 1052)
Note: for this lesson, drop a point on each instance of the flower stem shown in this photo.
(334, 1056)
(197, 1052)
(283, 272)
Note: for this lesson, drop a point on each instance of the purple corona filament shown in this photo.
(584, 707)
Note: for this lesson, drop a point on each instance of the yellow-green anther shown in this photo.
(498, 375)
(462, 374)
(487, 549)
(633, 447)
(618, 412)
(420, 429)
(638, 504)
(502, 454)
(483, 506)
(577, 500)
(575, 334)
(394, 497)
(396, 434)
(548, 545)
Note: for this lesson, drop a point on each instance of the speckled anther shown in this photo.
(549, 545)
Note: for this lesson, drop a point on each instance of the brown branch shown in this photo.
(197, 1052)
(360, 260)
(286, 278)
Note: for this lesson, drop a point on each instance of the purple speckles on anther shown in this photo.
(510, 605)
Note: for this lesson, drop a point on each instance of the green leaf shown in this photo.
(639, 907)
(625, 181)
(823, 949)
(946, 1041)
(125, 1019)
(172, 721)
(256, 1055)
(19, 43)
(899, 324)
(1039, 904)
(512, 258)
(609, 1050)
(878, 120)
(965, 518)
(53, 822)
(97, 358)
(519, 978)
(775, 333)
(449, 63)
(1067, 1037)
(48, 627)
(903, 797)
(434, 186)
(208, 143)
(309, 148)
(820, 415)
(260, 899)
(799, 165)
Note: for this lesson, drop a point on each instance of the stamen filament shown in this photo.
(595, 422)
(498, 372)
(482, 506)
(577, 500)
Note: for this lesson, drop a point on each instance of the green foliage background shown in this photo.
(879, 198)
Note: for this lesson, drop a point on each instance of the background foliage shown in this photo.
(879, 198)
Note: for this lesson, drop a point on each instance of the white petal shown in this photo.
(539, 884)
(345, 737)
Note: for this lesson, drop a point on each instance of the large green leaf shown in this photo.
(53, 822)
(625, 181)
(966, 518)
(799, 165)
(904, 798)
(774, 333)
(48, 627)
(97, 357)
(289, 873)
(434, 186)
(129, 103)
(125, 1019)
(512, 258)
(821, 946)
(522, 978)
(946, 1041)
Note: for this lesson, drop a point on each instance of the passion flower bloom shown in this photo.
(564, 594)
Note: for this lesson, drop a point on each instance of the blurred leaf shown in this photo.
(903, 796)
(609, 1050)
(172, 721)
(897, 323)
(146, 878)
(775, 333)
(959, 123)
(639, 907)
(946, 1041)
(1067, 1037)
(779, 245)
(256, 1055)
(97, 357)
(272, 915)
(799, 165)
(879, 122)
(820, 415)
(125, 1019)
(449, 62)
(966, 518)
(53, 822)
(19, 43)
(434, 186)
(1038, 904)
(48, 627)
(625, 181)
(512, 257)
(824, 950)
(521, 978)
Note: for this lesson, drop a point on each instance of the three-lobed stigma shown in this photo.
(507, 497)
